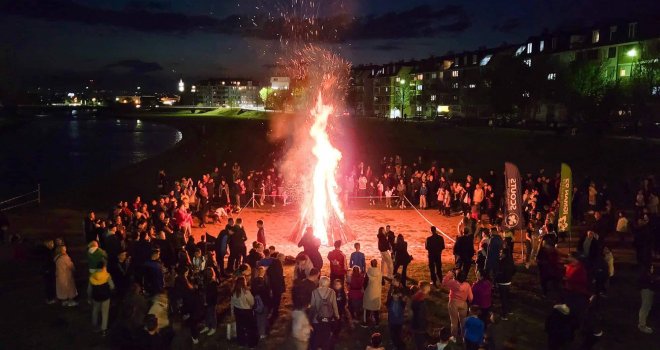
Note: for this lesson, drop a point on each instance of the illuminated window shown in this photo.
(612, 32)
(433, 97)
(454, 73)
(455, 85)
(420, 76)
(528, 62)
(520, 50)
(541, 45)
(529, 47)
(655, 91)
(434, 75)
(632, 30)
(622, 72)
(595, 36)
(419, 108)
(420, 87)
(552, 76)
(472, 86)
(525, 94)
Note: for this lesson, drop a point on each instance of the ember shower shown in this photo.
(320, 80)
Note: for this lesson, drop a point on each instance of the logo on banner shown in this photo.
(512, 220)
(562, 224)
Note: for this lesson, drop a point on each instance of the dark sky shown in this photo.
(153, 43)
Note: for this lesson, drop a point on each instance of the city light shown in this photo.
(632, 53)
(182, 87)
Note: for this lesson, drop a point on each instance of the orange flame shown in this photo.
(322, 201)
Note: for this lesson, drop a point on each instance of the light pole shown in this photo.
(403, 96)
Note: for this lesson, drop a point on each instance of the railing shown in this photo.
(22, 200)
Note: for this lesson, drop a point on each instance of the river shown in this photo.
(58, 152)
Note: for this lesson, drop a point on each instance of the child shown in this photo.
(474, 329)
(357, 259)
(340, 294)
(395, 317)
(376, 340)
(261, 234)
(388, 198)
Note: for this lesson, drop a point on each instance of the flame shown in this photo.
(322, 200)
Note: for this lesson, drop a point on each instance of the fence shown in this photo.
(22, 200)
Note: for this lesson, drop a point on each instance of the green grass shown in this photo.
(237, 113)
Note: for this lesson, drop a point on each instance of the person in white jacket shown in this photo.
(301, 328)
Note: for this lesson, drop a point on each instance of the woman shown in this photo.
(355, 292)
(401, 258)
(324, 311)
(65, 286)
(242, 303)
(261, 292)
(372, 294)
(311, 245)
(460, 294)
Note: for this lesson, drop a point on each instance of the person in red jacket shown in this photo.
(576, 285)
(261, 234)
(337, 263)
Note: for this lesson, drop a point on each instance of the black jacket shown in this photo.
(435, 244)
(464, 248)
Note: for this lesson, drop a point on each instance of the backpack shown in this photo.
(259, 306)
(325, 312)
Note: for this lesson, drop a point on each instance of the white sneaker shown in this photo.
(204, 330)
(50, 301)
(645, 329)
(211, 332)
(195, 341)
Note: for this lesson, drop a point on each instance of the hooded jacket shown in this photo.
(100, 285)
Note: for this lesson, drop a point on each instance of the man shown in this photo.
(493, 253)
(95, 255)
(90, 227)
(221, 246)
(302, 290)
(154, 282)
(434, 245)
(419, 322)
(589, 247)
(384, 247)
(261, 233)
(337, 263)
(99, 291)
(464, 251)
(240, 237)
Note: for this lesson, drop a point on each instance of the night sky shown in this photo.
(123, 43)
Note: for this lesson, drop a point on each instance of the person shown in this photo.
(95, 255)
(434, 245)
(149, 338)
(154, 280)
(311, 244)
(589, 247)
(261, 233)
(371, 301)
(423, 191)
(237, 248)
(301, 293)
(474, 329)
(375, 342)
(211, 286)
(275, 277)
(460, 294)
(464, 251)
(342, 303)
(550, 269)
(559, 327)
(503, 280)
(357, 258)
(48, 270)
(323, 311)
(647, 285)
(65, 285)
(221, 246)
(262, 300)
(482, 296)
(395, 318)
(99, 291)
(337, 261)
(242, 303)
(384, 248)
(622, 228)
(445, 340)
(493, 253)
(576, 285)
(401, 258)
(419, 321)
(355, 293)
(301, 328)
(160, 309)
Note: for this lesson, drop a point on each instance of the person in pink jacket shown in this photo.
(460, 294)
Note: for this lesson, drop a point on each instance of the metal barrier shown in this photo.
(22, 200)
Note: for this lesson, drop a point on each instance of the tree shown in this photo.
(402, 94)
(266, 93)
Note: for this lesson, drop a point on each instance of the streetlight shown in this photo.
(632, 53)
(403, 96)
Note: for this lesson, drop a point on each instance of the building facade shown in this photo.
(227, 92)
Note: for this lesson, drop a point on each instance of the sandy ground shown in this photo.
(279, 223)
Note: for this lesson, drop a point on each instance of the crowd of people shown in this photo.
(168, 289)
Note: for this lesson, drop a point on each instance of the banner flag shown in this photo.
(513, 217)
(565, 199)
